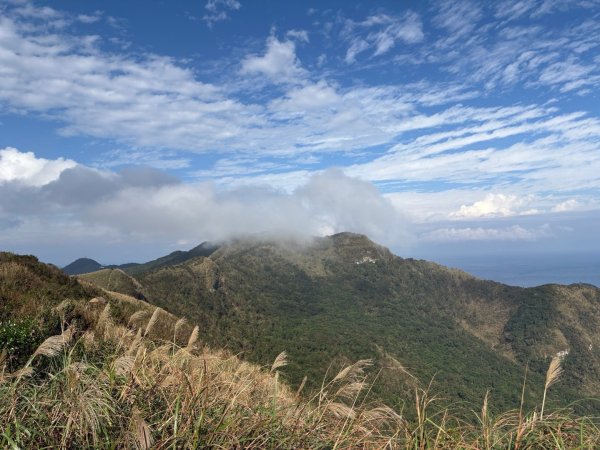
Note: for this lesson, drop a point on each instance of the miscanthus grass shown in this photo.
(111, 386)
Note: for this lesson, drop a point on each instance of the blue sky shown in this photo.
(463, 132)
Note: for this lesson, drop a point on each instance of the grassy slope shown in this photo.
(35, 298)
(176, 257)
(115, 280)
(315, 302)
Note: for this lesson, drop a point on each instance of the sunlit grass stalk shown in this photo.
(552, 375)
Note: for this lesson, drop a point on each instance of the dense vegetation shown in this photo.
(28, 293)
(120, 373)
(344, 298)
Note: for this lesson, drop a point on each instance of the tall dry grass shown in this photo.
(111, 386)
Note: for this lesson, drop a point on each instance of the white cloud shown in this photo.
(337, 203)
(512, 233)
(152, 101)
(306, 98)
(90, 18)
(146, 204)
(285, 181)
(408, 30)
(279, 62)
(357, 46)
(381, 32)
(159, 159)
(44, 17)
(505, 52)
(463, 146)
(567, 205)
(496, 205)
(218, 10)
(27, 9)
(553, 152)
(149, 101)
(299, 35)
(435, 206)
(569, 75)
(458, 17)
(552, 6)
(510, 9)
(26, 168)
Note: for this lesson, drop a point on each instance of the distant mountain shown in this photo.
(82, 265)
(343, 298)
(87, 265)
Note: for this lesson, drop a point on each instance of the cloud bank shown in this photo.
(144, 204)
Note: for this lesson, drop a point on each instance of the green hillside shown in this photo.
(115, 280)
(176, 257)
(29, 294)
(344, 298)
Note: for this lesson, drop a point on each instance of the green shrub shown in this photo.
(19, 338)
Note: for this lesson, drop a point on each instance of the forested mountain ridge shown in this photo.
(342, 298)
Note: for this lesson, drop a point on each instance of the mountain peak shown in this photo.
(82, 265)
(347, 237)
(357, 245)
